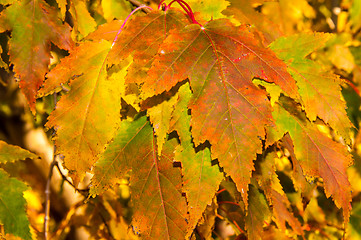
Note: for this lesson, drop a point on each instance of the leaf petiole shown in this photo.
(126, 20)
(185, 7)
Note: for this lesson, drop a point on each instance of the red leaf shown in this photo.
(318, 155)
(227, 109)
(34, 26)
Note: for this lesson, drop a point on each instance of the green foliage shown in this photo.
(12, 203)
(195, 111)
(12, 207)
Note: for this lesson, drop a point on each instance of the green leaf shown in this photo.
(355, 221)
(160, 209)
(320, 90)
(201, 179)
(257, 213)
(11, 153)
(208, 9)
(355, 12)
(34, 26)
(12, 206)
(117, 159)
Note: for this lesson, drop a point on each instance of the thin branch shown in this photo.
(47, 198)
(47, 189)
(83, 192)
(138, 4)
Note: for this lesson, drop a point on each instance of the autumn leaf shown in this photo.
(85, 119)
(10, 153)
(227, 108)
(201, 179)
(29, 48)
(291, 16)
(84, 22)
(161, 210)
(208, 10)
(320, 90)
(318, 155)
(275, 195)
(257, 213)
(299, 180)
(141, 38)
(160, 116)
(118, 9)
(12, 206)
(244, 12)
(2, 63)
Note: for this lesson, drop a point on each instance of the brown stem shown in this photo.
(47, 197)
(83, 192)
(47, 188)
(138, 4)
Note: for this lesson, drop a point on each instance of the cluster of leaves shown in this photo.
(212, 112)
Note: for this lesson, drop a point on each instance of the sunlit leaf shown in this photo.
(85, 119)
(160, 116)
(320, 90)
(118, 9)
(29, 48)
(201, 179)
(84, 22)
(10, 153)
(227, 109)
(318, 155)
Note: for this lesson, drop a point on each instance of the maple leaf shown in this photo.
(244, 12)
(320, 90)
(12, 206)
(299, 180)
(85, 119)
(161, 210)
(275, 195)
(257, 213)
(83, 21)
(201, 179)
(318, 155)
(141, 38)
(29, 48)
(160, 116)
(227, 108)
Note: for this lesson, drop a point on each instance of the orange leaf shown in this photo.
(34, 26)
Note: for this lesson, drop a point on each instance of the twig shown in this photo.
(138, 4)
(47, 189)
(83, 192)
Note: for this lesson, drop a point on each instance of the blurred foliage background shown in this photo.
(74, 216)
